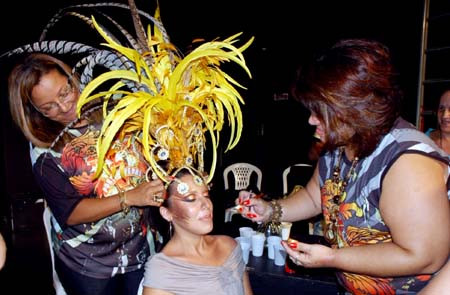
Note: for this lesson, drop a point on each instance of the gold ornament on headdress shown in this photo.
(179, 99)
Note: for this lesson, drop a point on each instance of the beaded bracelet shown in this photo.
(123, 202)
(277, 212)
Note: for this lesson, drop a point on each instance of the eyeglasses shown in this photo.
(52, 109)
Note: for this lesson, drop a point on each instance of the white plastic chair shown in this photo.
(242, 173)
(59, 289)
(141, 287)
(286, 173)
(47, 215)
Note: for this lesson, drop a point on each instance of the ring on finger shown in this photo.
(157, 198)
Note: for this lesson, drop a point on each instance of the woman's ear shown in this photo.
(165, 213)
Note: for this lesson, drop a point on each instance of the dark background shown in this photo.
(276, 133)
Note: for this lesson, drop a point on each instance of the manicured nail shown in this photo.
(293, 245)
(251, 215)
(240, 209)
(246, 202)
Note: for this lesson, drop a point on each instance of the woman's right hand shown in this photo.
(151, 193)
(253, 207)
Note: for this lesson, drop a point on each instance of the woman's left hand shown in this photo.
(308, 255)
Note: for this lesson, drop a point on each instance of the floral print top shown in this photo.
(112, 245)
(358, 220)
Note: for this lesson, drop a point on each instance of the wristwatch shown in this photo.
(123, 202)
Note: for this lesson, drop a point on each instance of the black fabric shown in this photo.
(60, 194)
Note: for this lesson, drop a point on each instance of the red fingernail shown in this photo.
(293, 245)
(246, 202)
(251, 215)
(240, 209)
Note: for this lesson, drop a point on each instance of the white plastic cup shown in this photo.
(285, 230)
(258, 244)
(245, 246)
(280, 254)
(244, 240)
(271, 241)
(246, 231)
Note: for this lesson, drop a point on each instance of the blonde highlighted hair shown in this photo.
(38, 129)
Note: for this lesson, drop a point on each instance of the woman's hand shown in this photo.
(150, 193)
(308, 255)
(252, 207)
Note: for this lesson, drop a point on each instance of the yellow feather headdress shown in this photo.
(177, 102)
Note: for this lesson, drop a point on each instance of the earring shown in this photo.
(170, 229)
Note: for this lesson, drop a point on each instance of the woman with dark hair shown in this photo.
(194, 262)
(101, 227)
(380, 184)
(441, 136)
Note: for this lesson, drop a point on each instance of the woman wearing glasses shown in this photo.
(380, 184)
(101, 227)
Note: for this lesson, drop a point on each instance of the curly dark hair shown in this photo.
(352, 89)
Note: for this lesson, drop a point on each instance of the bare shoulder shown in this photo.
(225, 241)
(414, 175)
(418, 162)
(223, 244)
(222, 247)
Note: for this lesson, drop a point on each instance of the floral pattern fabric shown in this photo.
(115, 244)
(359, 221)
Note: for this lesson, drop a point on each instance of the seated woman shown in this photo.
(194, 262)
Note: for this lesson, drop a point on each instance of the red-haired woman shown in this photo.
(380, 184)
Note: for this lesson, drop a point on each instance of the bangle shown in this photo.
(277, 212)
(123, 202)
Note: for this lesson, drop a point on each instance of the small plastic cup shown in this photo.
(245, 246)
(271, 241)
(285, 230)
(280, 254)
(258, 244)
(246, 231)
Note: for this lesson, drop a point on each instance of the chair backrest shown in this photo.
(242, 173)
(288, 170)
(47, 215)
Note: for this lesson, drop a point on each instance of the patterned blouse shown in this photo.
(357, 219)
(115, 244)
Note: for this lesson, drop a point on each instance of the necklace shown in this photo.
(335, 188)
